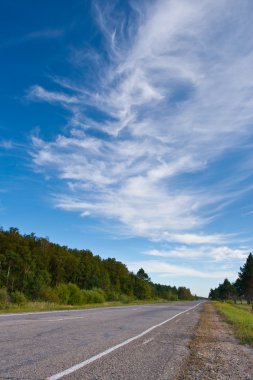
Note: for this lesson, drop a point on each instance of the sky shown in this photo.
(126, 129)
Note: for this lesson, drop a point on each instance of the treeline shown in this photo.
(241, 289)
(33, 268)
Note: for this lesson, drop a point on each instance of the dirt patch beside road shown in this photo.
(215, 353)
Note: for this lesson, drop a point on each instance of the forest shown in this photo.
(241, 289)
(35, 269)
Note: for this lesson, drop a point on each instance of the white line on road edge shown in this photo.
(106, 352)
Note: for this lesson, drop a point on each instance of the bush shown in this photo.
(142, 290)
(18, 297)
(173, 297)
(63, 293)
(112, 296)
(84, 296)
(115, 296)
(94, 295)
(49, 295)
(75, 295)
(125, 298)
(4, 297)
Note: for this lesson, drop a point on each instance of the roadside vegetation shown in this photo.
(36, 274)
(234, 301)
(240, 317)
(244, 306)
(38, 306)
(239, 291)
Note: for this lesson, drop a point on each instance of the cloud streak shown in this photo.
(36, 35)
(217, 254)
(170, 270)
(38, 93)
(6, 144)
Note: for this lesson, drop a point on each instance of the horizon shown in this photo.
(126, 129)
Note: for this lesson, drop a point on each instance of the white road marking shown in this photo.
(59, 319)
(43, 312)
(147, 341)
(78, 366)
(59, 311)
(23, 321)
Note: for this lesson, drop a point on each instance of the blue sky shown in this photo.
(126, 128)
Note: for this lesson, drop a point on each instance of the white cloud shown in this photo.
(168, 270)
(6, 144)
(174, 99)
(218, 254)
(184, 252)
(39, 93)
(197, 238)
(227, 253)
(36, 35)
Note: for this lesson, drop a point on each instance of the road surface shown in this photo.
(129, 342)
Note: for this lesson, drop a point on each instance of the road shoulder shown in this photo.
(215, 353)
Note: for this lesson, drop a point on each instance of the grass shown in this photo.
(245, 307)
(48, 306)
(241, 319)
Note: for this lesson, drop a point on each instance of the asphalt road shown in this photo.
(130, 342)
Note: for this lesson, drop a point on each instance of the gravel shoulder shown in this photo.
(215, 353)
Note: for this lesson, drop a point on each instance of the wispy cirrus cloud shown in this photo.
(170, 270)
(35, 35)
(218, 254)
(38, 93)
(170, 99)
(6, 144)
(200, 238)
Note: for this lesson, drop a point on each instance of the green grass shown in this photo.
(240, 317)
(244, 307)
(48, 306)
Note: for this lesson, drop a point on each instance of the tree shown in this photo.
(184, 293)
(142, 289)
(34, 268)
(246, 278)
(141, 274)
(214, 294)
(239, 290)
(225, 291)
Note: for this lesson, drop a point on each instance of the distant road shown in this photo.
(147, 342)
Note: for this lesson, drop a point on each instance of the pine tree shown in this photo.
(246, 278)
